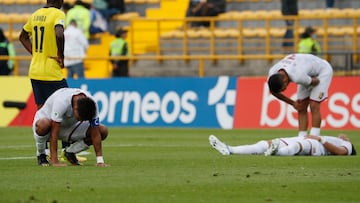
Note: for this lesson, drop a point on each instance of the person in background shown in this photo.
(308, 43)
(66, 7)
(329, 3)
(205, 8)
(115, 7)
(109, 8)
(119, 47)
(46, 49)
(289, 8)
(76, 45)
(6, 49)
(98, 22)
(82, 16)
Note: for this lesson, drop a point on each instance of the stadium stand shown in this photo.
(249, 30)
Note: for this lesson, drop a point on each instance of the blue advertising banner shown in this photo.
(163, 102)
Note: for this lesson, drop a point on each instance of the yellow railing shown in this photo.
(246, 34)
(252, 35)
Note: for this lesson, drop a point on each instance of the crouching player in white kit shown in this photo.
(70, 115)
(309, 145)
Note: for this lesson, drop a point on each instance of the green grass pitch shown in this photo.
(177, 165)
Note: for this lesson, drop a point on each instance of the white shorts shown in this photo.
(75, 132)
(320, 91)
(318, 149)
(310, 147)
(69, 134)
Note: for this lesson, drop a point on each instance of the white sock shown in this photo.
(302, 133)
(289, 150)
(77, 147)
(41, 144)
(257, 148)
(315, 131)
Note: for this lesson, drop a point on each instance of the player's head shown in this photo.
(86, 109)
(275, 83)
(120, 32)
(55, 3)
(346, 138)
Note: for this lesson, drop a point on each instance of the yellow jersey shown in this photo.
(41, 28)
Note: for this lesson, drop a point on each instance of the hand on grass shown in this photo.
(102, 165)
(59, 164)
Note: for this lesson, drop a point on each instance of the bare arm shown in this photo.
(335, 150)
(96, 140)
(54, 136)
(284, 98)
(60, 42)
(25, 41)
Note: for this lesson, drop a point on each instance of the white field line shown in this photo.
(16, 158)
(85, 152)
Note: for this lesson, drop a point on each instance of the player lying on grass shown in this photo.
(310, 145)
(70, 115)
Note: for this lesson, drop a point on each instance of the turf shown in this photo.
(177, 165)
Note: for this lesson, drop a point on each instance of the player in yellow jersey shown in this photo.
(43, 37)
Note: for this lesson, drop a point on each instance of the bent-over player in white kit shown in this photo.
(313, 76)
(309, 145)
(71, 115)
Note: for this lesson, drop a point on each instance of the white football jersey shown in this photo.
(316, 148)
(301, 67)
(58, 106)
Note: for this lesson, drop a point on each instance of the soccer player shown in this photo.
(313, 76)
(310, 145)
(43, 37)
(71, 115)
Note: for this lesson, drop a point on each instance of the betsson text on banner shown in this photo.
(256, 108)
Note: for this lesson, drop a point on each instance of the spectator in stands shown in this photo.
(98, 22)
(109, 8)
(75, 46)
(205, 8)
(119, 47)
(308, 43)
(101, 6)
(330, 3)
(6, 49)
(82, 16)
(289, 8)
(66, 7)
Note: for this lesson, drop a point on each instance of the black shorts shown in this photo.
(43, 89)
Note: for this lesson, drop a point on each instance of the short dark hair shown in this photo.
(119, 32)
(275, 83)
(353, 151)
(86, 108)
